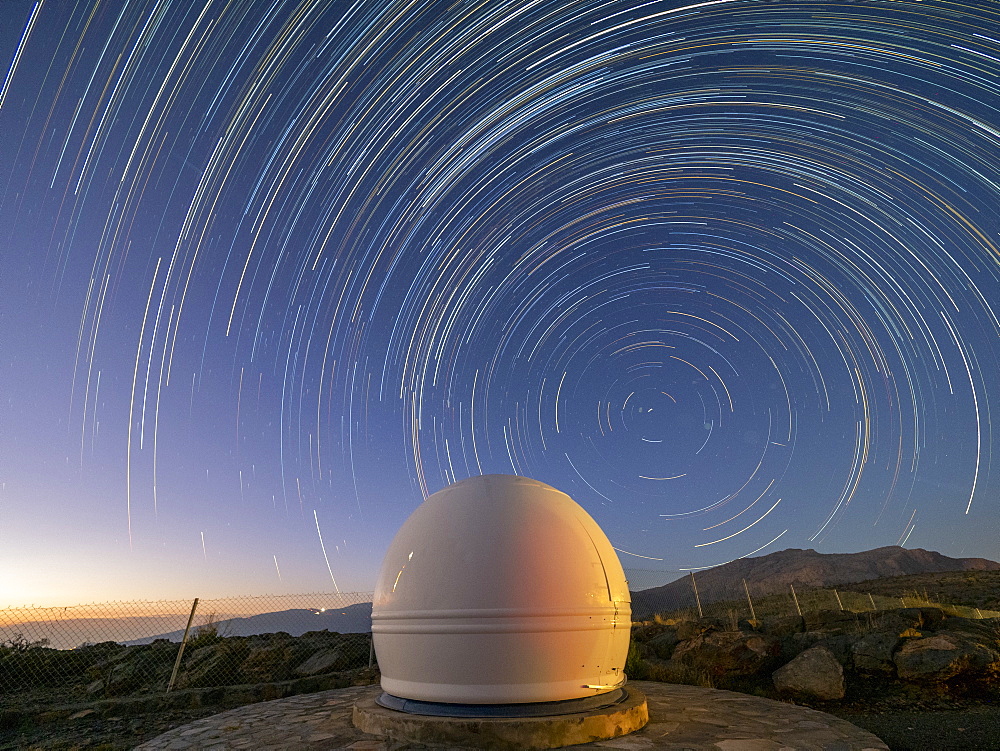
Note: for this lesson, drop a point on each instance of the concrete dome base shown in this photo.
(553, 731)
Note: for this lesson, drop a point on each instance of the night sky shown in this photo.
(728, 273)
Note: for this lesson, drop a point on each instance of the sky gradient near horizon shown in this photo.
(726, 272)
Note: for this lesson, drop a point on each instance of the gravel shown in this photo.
(972, 728)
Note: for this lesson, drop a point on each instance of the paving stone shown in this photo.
(629, 743)
(681, 717)
(748, 744)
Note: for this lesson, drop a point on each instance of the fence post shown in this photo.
(371, 650)
(694, 584)
(840, 605)
(797, 608)
(180, 650)
(753, 615)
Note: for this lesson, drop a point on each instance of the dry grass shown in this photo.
(968, 594)
(971, 589)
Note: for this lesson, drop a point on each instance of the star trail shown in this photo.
(726, 272)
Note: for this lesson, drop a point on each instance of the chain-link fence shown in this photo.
(85, 653)
(688, 598)
(89, 652)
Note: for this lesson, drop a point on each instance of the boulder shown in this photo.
(784, 626)
(838, 644)
(324, 661)
(663, 644)
(690, 629)
(814, 674)
(118, 675)
(122, 679)
(896, 621)
(913, 616)
(197, 656)
(872, 653)
(728, 653)
(931, 617)
(832, 621)
(268, 663)
(983, 630)
(218, 665)
(943, 656)
(648, 631)
(355, 648)
(901, 619)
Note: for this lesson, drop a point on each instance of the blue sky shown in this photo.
(726, 273)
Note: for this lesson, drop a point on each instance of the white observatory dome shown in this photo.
(500, 589)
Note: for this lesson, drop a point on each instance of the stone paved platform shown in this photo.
(685, 718)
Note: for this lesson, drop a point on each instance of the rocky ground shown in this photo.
(904, 724)
(110, 696)
(826, 655)
(916, 677)
(96, 731)
(123, 723)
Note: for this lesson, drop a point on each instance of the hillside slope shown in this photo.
(974, 589)
(353, 619)
(805, 568)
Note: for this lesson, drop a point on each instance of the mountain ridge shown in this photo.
(351, 619)
(766, 574)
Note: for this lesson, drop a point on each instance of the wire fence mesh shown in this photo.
(689, 598)
(84, 653)
(88, 652)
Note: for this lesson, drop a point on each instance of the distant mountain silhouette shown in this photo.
(69, 633)
(354, 619)
(806, 568)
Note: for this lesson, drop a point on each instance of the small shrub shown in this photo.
(636, 668)
(19, 643)
(663, 620)
(205, 634)
(671, 672)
